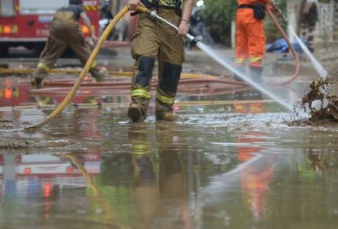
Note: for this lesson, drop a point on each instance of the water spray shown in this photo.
(319, 68)
(211, 53)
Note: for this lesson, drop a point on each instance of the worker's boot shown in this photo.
(42, 101)
(256, 74)
(136, 113)
(36, 82)
(100, 75)
(39, 75)
(240, 69)
(165, 116)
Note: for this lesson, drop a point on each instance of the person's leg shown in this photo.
(241, 50)
(144, 50)
(51, 52)
(171, 57)
(78, 44)
(256, 49)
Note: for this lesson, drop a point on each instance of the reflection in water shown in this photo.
(202, 173)
(323, 160)
(244, 190)
(77, 161)
(318, 164)
(37, 187)
(254, 178)
(159, 203)
(253, 107)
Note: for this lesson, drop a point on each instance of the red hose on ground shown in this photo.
(297, 63)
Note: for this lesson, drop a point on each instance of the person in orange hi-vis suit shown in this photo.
(250, 37)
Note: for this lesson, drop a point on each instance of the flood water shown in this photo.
(220, 165)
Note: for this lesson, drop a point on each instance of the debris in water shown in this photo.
(320, 103)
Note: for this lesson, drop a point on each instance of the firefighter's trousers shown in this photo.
(154, 40)
(250, 38)
(63, 34)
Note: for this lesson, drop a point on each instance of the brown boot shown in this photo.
(166, 116)
(135, 113)
(102, 74)
(36, 82)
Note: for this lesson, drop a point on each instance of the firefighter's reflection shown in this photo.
(162, 202)
(255, 174)
(248, 101)
(255, 181)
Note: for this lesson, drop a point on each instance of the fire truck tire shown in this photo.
(4, 49)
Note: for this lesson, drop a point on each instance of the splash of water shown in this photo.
(212, 54)
(319, 68)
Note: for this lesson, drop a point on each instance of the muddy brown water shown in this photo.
(220, 165)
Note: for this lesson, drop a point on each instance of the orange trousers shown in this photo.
(250, 39)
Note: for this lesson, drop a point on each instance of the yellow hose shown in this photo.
(84, 71)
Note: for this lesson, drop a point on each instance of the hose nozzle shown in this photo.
(153, 14)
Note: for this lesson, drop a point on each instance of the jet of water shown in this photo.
(319, 68)
(259, 87)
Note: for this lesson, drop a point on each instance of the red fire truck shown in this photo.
(26, 22)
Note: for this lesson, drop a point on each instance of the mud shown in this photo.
(320, 102)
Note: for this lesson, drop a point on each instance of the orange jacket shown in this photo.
(248, 2)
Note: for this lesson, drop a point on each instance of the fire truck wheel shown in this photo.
(3, 50)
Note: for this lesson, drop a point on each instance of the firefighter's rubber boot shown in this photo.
(166, 116)
(90, 100)
(42, 101)
(36, 82)
(241, 69)
(256, 74)
(135, 113)
(102, 74)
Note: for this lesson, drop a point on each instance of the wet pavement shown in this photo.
(231, 160)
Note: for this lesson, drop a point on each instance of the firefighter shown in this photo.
(65, 31)
(250, 37)
(156, 40)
